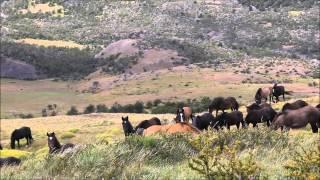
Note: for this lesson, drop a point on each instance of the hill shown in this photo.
(204, 32)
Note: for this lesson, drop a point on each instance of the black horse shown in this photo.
(277, 91)
(202, 122)
(129, 130)
(232, 118)
(256, 106)
(17, 134)
(221, 103)
(9, 161)
(55, 146)
(265, 114)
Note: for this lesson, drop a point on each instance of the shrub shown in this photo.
(73, 111)
(14, 153)
(67, 135)
(26, 116)
(219, 159)
(305, 164)
(102, 108)
(89, 109)
(74, 130)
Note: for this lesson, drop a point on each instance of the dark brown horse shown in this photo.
(202, 122)
(298, 118)
(129, 130)
(17, 134)
(256, 116)
(232, 118)
(221, 103)
(255, 106)
(263, 94)
(55, 146)
(295, 105)
(278, 91)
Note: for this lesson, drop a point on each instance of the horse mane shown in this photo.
(258, 93)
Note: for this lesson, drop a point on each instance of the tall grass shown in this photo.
(254, 152)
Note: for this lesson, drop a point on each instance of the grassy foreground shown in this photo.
(246, 153)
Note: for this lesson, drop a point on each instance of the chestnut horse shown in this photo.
(171, 129)
(264, 93)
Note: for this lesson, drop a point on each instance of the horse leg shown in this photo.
(238, 125)
(314, 127)
(268, 123)
(283, 97)
(228, 126)
(254, 124)
(27, 140)
(217, 112)
(18, 143)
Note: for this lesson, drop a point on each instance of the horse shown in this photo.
(232, 118)
(263, 93)
(184, 115)
(129, 130)
(295, 105)
(202, 122)
(55, 146)
(265, 114)
(318, 107)
(17, 134)
(171, 129)
(278, 91)
(9, 161)
(298, 118)
(221, 103)
(255, 106)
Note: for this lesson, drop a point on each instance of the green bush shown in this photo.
(89, 109)
(305, 164)
(73, 111)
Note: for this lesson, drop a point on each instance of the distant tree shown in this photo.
(102, 108)
(138, 107)
(50, 107)
(115, 108)
(44, 113)
(89, 109)
(73, 111)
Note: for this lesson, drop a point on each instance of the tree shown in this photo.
(138, 107)
(102, 108)
(89, 109)
(73, 111)
(44, 113)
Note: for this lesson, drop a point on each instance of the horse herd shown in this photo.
(293, 115)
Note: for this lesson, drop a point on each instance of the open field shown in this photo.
(98, 134)
(48, 43)
(19, 96)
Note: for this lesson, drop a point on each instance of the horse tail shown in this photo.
(288, 92)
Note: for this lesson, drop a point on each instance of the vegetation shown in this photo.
(211, 155)
(73, 111)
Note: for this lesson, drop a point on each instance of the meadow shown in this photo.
(103, 152)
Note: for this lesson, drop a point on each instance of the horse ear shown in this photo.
(53, 133)
(47, 134)
(122, 118)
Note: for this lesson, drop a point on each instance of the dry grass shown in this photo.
(48, 43)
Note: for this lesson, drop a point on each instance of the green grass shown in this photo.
(167, 157)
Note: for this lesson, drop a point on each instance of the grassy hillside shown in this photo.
(102, 151)
(207, 33)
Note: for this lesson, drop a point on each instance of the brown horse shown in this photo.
(298, 118)
(171, 129)
(295, 105)
(184, 114)
(264, 93)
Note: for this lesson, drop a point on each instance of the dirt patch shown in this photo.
(156, 59)
(124, 47)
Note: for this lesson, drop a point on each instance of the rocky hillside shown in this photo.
(138, 36)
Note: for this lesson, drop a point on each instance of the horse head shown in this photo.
(180, 115)
(53, 142)
(127, 127)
